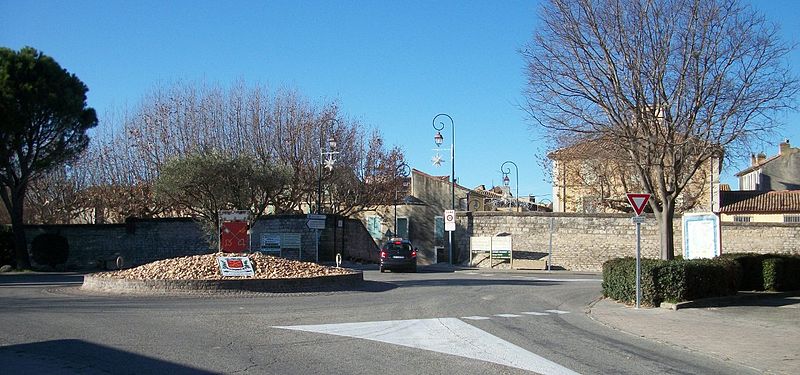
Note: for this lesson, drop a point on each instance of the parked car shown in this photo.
(398, 254)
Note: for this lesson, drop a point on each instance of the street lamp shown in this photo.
(326, 157)
(402, 170)
(506, 171)
(439, 139)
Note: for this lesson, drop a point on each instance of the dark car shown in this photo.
(398, 254)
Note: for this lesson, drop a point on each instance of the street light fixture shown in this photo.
(506, 181)
(403, 170)
(439, 139)
(326, 158)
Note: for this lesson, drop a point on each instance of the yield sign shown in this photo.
(638, 201)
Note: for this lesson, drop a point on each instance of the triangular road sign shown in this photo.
(638, 201)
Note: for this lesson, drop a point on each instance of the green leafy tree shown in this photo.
(43, 124)
(205, 182)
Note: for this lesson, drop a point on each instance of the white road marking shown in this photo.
(559, 312)
(534, 313)
(476, 318)
(566, 280)
(443, 335)
(487, 274)
(508, 315)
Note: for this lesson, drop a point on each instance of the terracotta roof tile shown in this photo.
(787, 201)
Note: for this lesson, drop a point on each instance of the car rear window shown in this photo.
(402, 248)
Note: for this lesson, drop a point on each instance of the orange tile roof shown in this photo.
(787, 201)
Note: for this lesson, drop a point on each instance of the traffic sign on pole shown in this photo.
(638, 201)
(450, 220)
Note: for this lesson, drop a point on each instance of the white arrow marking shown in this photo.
(443, 335)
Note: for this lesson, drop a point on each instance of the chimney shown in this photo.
(753, 161)
(784, 147)
(761, 157)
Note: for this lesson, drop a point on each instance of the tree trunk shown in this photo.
(666, 230)
(18, 227)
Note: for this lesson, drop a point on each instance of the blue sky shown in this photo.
(391, 64)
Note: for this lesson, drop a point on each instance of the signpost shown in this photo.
(317, 223)
(234, 231)
(638, 201)
(450, 227)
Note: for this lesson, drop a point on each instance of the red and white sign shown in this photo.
(235, 266)
(638, 201)
(233, 237)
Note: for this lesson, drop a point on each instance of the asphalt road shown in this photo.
(427, 323)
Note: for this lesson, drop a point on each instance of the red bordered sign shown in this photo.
(638, 201)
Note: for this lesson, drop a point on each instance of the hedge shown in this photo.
(752, 269)
(781, 273)
(776, 272)
(671, 281)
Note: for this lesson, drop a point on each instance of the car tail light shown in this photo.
(413, 253)
(383, 254)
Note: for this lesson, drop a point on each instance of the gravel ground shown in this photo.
(205, 267)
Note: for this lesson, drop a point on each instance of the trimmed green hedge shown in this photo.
(782, 273)
(776, 272)
(752, 269)
(671, 281)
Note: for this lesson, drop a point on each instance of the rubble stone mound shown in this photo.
(200, 273)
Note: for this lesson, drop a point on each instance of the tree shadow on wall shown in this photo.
(81, 357)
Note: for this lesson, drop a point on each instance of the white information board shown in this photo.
(235, 266)
(701, 236)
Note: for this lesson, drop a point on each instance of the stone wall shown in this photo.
(137, 241)
(584, 242)
(142, 241)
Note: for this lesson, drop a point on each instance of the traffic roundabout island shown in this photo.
(204, 274)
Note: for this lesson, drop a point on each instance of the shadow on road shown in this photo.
(81, 357)
(37, 278)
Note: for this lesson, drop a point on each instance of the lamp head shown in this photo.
(438, 138)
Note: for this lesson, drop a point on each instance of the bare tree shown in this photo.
(272, 127)
(672, 83)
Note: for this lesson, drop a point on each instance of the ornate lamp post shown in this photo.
(437, 160)
(326, 157)
(403, 170)
(506, 171)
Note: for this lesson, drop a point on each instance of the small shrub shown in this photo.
(50, 249)
(781, 273)
(619, 280)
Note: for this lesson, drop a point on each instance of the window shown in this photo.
(741, 219)
(791, 218)
(402, 227)
(438, 229)
(374, 226)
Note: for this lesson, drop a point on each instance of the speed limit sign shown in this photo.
(449, 220)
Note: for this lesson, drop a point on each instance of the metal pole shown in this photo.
(638, 264)
(516, 171)
(550, 247)
(452, 172)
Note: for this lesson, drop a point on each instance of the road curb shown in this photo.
(295, 285)
(726, 300)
